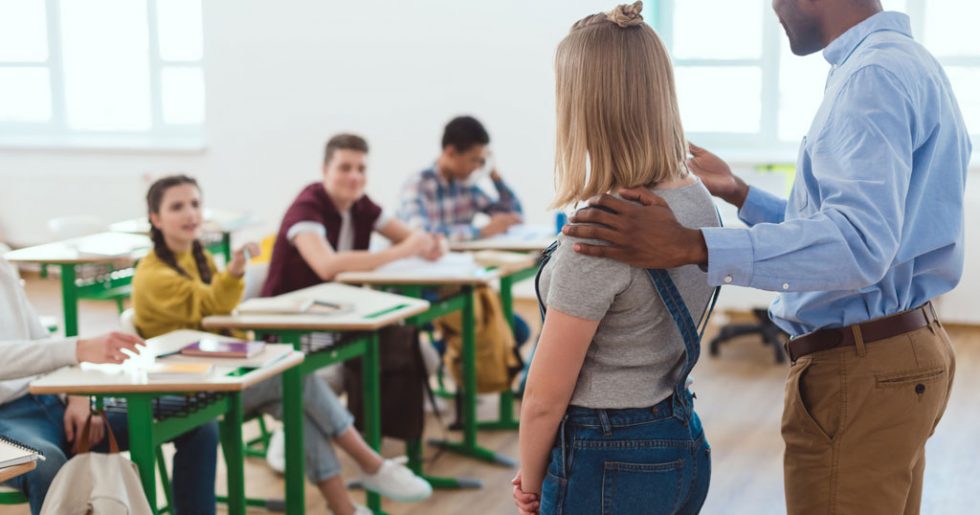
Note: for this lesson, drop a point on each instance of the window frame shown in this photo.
(765, 145)
(56, 134)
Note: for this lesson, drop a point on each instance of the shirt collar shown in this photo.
(841, 48)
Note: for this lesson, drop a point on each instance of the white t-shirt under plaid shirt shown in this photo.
(438, 205)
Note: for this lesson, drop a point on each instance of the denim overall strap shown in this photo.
(543, 260)
(689, 332)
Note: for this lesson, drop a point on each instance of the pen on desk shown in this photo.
(326, 304)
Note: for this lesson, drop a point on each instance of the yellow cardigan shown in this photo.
(164, 300)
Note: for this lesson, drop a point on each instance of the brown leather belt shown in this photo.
(871, 331)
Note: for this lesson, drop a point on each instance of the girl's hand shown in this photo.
(239, 258)
(527, 503)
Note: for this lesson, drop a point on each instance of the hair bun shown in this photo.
(626, 15)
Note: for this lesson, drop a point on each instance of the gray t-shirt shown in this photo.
(637, 354)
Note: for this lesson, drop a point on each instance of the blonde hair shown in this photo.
(618, 121)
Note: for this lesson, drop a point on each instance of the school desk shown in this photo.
(217, 395)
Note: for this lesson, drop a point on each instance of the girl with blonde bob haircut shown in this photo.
(607, 421)
(618, 122)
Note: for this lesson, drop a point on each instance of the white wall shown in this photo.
(283, 76)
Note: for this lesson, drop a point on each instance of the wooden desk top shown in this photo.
(505, 262)
(16, 470)
(214, 221)
(522, 238)
(106, 247)
(454, 269)
(372, 311)
(89, 379)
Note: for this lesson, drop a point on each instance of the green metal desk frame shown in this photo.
(146, 435)
(364, 346)
(461, 301)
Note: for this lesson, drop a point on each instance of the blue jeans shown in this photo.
(324, 418)
(629, 461)
(38, 421)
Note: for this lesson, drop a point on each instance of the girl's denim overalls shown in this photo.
(648, 461)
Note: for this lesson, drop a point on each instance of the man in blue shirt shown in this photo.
(872, 231)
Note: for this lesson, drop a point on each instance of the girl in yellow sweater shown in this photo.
(177, 285)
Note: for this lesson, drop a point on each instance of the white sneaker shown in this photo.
(358, 510)
(395, 481)
(275, 453)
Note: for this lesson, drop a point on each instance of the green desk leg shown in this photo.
(413, 448)
(69, 299)
(234, 451)
(469, 446)
(292, 417)
(372, 407)
(139, 416)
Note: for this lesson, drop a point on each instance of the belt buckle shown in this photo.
(789, 351)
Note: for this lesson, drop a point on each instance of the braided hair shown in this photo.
(154, 197)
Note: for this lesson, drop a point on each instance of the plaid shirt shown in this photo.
(435, 204)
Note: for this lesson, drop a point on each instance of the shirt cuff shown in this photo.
(302, 227)
(760, 206)
(65, 352)
(730, 256)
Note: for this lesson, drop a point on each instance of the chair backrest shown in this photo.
(255, 275)
(126, 321)
(74, 226)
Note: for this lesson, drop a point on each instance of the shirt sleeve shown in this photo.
(507, 201)
(584, 286)
(304, 227)
(862, 161)
(419, 209)
(760, 206)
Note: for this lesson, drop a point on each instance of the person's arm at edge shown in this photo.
(558, 359)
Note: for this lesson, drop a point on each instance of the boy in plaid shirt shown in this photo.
(439, 200)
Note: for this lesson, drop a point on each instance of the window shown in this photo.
(742, 91)
(103, 73)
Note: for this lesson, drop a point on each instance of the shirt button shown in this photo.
(785, 286)
(728, 278)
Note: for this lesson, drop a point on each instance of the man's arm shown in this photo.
(507, 201)
(420, 209)
(862, 161)
(754, 205)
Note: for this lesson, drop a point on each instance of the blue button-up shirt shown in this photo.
(874, 222)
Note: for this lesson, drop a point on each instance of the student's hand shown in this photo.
(238, 259)
(495, 176)
(107, 348)
(418, 243)
(527, 503)
(438, 248)
(499, 223)
(641, 231)
(76, 413)
(717, 176)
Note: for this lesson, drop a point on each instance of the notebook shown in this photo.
(291, 306)
(173, 371)
(13, 453)
(213, 348)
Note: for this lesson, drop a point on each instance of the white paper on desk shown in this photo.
(525, 232)
(452, 264)
(112, 244)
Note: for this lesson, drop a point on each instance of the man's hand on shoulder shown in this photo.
(640, 229)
